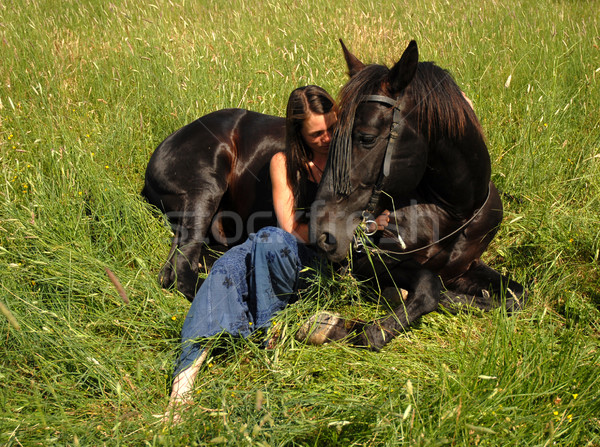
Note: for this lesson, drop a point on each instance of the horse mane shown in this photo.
(441, 111)
(365, 82)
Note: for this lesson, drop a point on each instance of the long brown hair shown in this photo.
(303, 102)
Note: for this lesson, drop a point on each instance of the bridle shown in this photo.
(368, 223)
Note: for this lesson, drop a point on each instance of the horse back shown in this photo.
(227, 150)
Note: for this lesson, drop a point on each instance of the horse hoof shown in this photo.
(166, 277)
(322, 328)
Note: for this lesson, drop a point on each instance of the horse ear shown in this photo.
(404, 71)
(354, 65)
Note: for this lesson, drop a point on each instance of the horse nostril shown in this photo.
(327, 242)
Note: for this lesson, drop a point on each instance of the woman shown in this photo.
(253, 281)
(296, 173)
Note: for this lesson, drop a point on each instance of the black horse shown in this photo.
(211, 180)
(407, 140)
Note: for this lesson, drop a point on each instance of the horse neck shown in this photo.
(458, 174)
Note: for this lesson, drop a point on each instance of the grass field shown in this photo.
(87, 91)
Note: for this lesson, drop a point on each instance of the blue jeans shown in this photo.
(244, 289)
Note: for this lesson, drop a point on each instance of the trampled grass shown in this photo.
(87, 91)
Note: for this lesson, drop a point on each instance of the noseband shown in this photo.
(368, 223)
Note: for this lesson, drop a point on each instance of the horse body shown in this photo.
(211, 180)
(414, 122)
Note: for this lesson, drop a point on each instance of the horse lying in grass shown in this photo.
(407, 141)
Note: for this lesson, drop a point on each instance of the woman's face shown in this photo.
(317, 130)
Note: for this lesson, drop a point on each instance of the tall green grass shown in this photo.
(87, 91)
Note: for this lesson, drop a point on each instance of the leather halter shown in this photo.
(368, 223)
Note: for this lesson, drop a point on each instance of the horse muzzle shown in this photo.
(332, 229)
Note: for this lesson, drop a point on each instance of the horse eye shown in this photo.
(367, 140)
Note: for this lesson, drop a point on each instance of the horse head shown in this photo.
(376, 129)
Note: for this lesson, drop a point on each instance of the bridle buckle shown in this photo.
(368, 224)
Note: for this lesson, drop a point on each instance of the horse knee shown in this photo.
(394, 296)
(428, 291)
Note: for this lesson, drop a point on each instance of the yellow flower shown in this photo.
(575, 396)
(174, 317)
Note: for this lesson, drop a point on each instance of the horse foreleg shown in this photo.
(186, 266)
(167, 275)
(195, 223)
(454, 303)
(484, 288)
(422, 299)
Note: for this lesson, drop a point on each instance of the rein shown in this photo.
(359, 246)
(368, 223)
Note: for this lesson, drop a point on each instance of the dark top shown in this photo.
(263, 212)
(307, 197)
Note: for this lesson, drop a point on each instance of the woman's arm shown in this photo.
(283, 199)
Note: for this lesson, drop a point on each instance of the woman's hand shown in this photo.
(383, 220)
